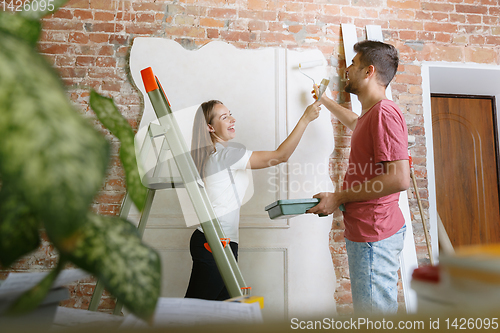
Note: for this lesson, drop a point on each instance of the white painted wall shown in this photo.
(286, 261)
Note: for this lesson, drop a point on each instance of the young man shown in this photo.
(378, 170)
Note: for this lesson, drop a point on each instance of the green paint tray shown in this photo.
(285, 209)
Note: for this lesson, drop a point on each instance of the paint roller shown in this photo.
(310, 64)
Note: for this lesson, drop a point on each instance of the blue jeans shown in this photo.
(373, 269)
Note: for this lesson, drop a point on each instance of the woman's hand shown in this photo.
(315, 93)
(312, 112)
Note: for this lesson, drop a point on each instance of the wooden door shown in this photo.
(465, 155)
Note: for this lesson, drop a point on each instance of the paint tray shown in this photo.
(285, 209)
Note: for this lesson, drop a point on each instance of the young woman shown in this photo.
(222, 165)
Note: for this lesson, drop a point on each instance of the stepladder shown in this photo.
(173, 151)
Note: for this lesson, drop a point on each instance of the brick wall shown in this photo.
(88, 42)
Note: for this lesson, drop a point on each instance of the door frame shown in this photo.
(457, 79)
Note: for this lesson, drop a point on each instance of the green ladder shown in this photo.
(191, 180)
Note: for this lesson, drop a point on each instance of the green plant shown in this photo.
(52, 164)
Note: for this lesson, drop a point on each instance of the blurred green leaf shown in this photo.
(24, 28)
(53, 158)
(112, 119)
(52, 164)
(18, 229)
(32, 298)
(111, 249)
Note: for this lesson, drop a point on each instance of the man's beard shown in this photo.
(350, 88)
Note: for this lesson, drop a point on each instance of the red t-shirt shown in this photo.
(380, 135)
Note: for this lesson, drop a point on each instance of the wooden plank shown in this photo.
(350, 38)
(374, 32)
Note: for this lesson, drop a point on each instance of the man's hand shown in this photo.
(328, 203)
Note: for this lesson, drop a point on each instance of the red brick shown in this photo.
(351, 12)
(294, 7)
(104, 16)
(77, 4)
(343, 297)
(111, 86)
(404, 4)
(99, 38)
(405, 15)
(491, 20)
(106, 50)
(414, 69)
(337, 248)
(78, 37)
(109, 210)
(410, 99)
(265, 16)
(148, 6)
(82, 14)
(57, 24)
(126, 16)
(440, 16)
(105, 62)
(62, 13)
(440, 27)
(185, 31)
(480, 55)
(51, 48)
(405, 25)
(222, 13)
(313, 29)
(70, 72)
(122, 51)
(471, 9)
(421, 15)
(107, 73)
(295, 28)
(210, 22)
(438, 7)
(140, 30)
(65, 60)
(408, 35)
(103, 4)
(54, 36)
(457, 18)
(494, 11)
(472, 29)
(474, 19)
(255, 25)
(118, 39)
(212, 33)
(493, 40)
(107, 27)
(443, 38)
(256, 4)
(85, 61)
(145, 17)
(408, 79)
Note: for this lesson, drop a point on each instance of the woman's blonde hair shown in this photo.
(201, 144)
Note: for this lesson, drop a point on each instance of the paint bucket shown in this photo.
(466, 282)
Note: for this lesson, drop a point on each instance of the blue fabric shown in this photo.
(373, 269)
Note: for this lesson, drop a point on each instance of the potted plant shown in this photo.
(52, 164)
